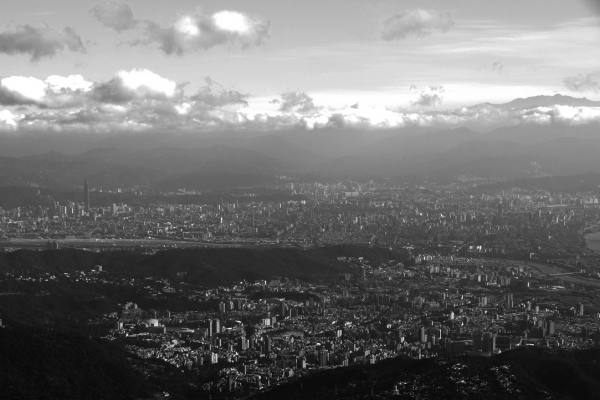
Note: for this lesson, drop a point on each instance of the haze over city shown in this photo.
(226, 199)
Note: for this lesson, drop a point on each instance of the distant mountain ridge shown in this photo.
(202, 168)
(241, 159)
(542, 101)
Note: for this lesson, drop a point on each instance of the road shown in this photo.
(115, 242)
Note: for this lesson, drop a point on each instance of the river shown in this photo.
(540, 268)
(593, 241)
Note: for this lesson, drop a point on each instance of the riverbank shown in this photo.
(109, 243)
(539, 268)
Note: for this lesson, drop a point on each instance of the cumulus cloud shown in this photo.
(187, 33)
(136, 84)
(361, 116)
(57, 83)
(430, 97)
(297, 102)
(185, 115)
(561, 114)
(417, 22)
(428, 100)
(114, 15)
(53, 92)
(200, 32)
(16, 90)
(138, 99)
(8, 119)
(589, 82)
(39, 42)
(215, 95)
(141, 100)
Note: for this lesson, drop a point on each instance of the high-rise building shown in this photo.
(282, 309)
(86, 196)
(550, 328)
(477, 341)
(243, 343)
(323, 357)
(301, 362)
(422, 334)
(214, 326)
(488, 343)
(509, 301)
(499, 214)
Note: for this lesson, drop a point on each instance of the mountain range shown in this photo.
(201, 161)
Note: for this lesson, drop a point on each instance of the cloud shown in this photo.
(138, 99)
(114, 15)
(561, 114)
(39, 42)
(141, 100)
(135, 84)
(430, 97)
(200, 32)
(417, 22)
(62, 92)
(497, 66)
(53, 92)
(57, 83)
(297, 102)
(589, 82)
(21, 90)
(8, 119)
(215, 95)
(140, 115)
(428, 100)
(188, 32)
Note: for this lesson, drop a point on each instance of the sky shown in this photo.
(140, 65)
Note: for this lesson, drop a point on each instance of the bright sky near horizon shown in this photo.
(114, 63)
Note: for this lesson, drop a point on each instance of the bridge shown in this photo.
(558, 274)
(374, 240)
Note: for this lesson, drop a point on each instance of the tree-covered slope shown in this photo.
(46, 364)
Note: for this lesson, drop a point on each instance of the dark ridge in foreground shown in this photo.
(45, 364)
(524, 373)
(65, 304)
(209, 267)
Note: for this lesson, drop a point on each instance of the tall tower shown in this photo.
(86, 196)
(499, 211)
